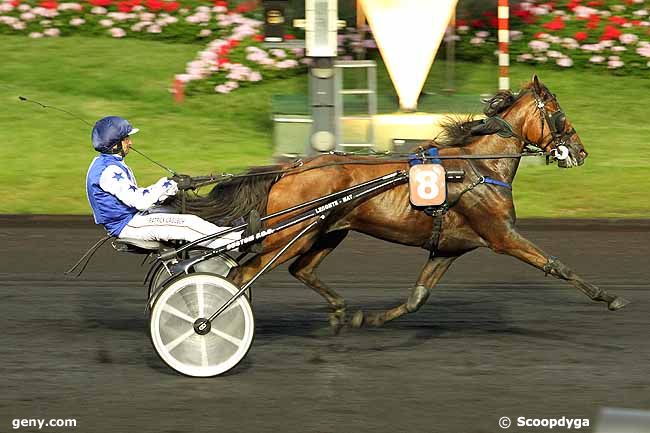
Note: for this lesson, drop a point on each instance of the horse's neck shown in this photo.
(505, 168)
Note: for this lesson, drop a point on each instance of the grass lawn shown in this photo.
(45, 154)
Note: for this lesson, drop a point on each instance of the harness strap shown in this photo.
(496, 182)
(432, 243)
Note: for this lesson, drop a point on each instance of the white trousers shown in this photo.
(169, 226)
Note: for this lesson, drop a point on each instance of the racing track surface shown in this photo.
(496, 339)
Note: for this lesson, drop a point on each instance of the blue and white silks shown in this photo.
(114, 195)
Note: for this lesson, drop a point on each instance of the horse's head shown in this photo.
(550, 129)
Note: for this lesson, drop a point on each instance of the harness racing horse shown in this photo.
(482, 214)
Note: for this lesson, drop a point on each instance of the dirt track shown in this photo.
(496, 339)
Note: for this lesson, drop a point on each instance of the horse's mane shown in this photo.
(456, 130)
(233, 198)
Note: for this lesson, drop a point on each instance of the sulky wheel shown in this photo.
(174, 313)
(218, 265)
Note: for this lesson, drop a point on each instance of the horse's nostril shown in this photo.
(583, 154)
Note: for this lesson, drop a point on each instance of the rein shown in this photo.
(298, 165)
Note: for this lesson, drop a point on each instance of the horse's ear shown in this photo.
(537, 85)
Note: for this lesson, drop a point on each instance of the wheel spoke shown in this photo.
(174, 343)
(200, 297)
(229, 338)
(204, 353)
(173, 311)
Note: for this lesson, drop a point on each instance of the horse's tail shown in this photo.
(234, 198)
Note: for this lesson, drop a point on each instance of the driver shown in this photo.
(123, 208)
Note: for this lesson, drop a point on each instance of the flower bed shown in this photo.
(607, 35)
(144, 19)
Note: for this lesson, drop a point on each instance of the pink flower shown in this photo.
(76, 22)
(117, 32)
(254, 76)
(596, 59)
(476, 41)
(205, 33)
(18, 25)
(564, 62)
(27, 16)
(183, 78)
(524, 57)
(538, 46)
(98, 10)
(643, 51)
(106, 23)
(222, 88)
(281, 54)
(628, 38)
(287, 64)
(70, 7)
(154, 29)
(615, 64)
(618, 49)
(35, 35)
(53, 33)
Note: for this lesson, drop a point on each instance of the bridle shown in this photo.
(556, 122)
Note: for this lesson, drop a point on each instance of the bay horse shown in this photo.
(482, 217)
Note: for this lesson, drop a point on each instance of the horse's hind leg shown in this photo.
(514, 244)
(431, 273)
(304, 269)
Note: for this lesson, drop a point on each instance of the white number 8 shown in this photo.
(427, 184)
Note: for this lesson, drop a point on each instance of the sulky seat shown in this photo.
(139, 246)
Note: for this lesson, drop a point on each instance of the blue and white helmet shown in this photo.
(109, 131)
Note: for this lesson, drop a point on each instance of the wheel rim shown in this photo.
(219, 265)
(174, 313)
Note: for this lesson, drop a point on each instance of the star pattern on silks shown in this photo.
(145, 191)
(119, 176)
(132, 187)
(167, 184)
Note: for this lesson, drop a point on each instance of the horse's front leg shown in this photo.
(304, 269)
(431, 273)
(506, 240)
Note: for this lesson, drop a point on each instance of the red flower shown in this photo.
(225, 49)
(154, 5)
(171, 6)
(232, 43)
(537, 35)
(477, 24)
(617, 20)
(461, 23)
(223, 60)
(595, 4)
(636, 22)
(49, 4)
(524, 15)
(555, 24)
(124, 6)
(245, 7)
(610, 33)
(221, 3)
(594, 21)
(258, 38)
(15, 3)
(580, 36)
(289, 37)
(493, 22)
(573, 4)
(102, 3)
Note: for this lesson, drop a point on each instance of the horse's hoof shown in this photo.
(337, 321)
(617, 303)
(357, 319)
